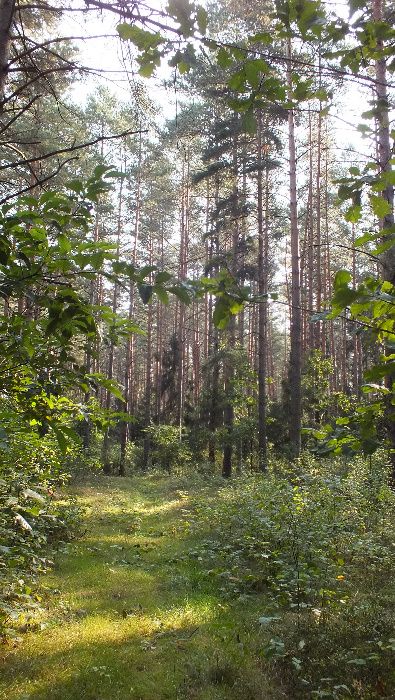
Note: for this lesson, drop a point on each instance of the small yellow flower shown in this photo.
(340, 578)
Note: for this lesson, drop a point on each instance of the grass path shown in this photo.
(130, 616)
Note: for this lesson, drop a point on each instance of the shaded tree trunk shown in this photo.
(148, 380)
(262, 314)
(231, 334)
(387, 223)
(7, 10)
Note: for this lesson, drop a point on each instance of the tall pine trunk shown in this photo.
(387, 223)
(231, 333)
(262, 314)
(130, 343)
(110, 366)
(295, 359)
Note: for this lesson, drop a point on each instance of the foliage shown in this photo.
(361, 428)
(319, 548)
(32, 521)
(47, 325)
(183, 20)
(169, 450)
(315, 384)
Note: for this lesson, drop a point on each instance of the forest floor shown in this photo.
(128, 613)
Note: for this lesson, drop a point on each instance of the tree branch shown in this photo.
(38, 183)
(71, 149)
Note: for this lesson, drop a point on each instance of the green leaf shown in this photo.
(61, 439)
(253, 69)
(261, 38)
(235, 305)
(223, 58)
(163, 277)
(183, 67)
(366, 238)
(109, 384)
(376, 388)
(221, 315)
(181, 293)
(145, 291)
(64, 243)
(384, 246)
(237, 81)
(145, 271)
(162, 295)
(353, 214)
(141, 38)
(342, 278)
(380, 206)
(147, 69)
(201, 19)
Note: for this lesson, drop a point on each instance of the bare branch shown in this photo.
(39, 183)
(20, 112)
(71, 149)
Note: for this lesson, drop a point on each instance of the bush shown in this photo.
(31, 519)
(168, 449)
(319, 548)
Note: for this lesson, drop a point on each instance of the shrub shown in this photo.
(168, 449)
(319, 549)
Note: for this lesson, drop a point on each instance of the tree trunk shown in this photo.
(231, 335)
(384, 152)
(295, 362)
(180, 325)
(110, 367)
(148, 380)
(262, 317)
(130, 354)
(7, 10)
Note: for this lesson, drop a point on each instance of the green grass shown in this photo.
(128, 615)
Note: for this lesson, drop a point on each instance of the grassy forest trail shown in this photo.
(131, 615)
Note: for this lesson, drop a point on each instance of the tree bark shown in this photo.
(387, 259)
(110, 366)
(262, 314)
(7, 11)
(148, 380)
(231, 333)
(130, 343)
(295, 360)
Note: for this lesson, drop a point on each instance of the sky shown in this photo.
(109, 58)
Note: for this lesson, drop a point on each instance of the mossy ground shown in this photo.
(129, 617)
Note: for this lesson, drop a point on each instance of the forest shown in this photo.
(197, 349)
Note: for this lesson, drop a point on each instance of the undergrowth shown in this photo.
(318, 543)
(34, 520)
(298, 566)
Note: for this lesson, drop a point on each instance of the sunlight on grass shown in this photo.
(134, 619)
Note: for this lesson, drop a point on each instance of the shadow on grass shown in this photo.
(179, 663)
(137, 619)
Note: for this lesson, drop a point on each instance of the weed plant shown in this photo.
(317, 540)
